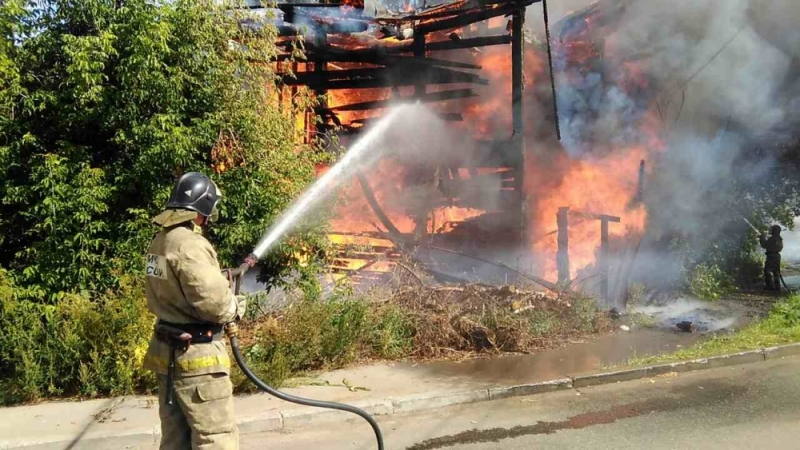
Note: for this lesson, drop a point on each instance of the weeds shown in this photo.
(636, 294)
(642, 320)
(317, 334)
(413, 322)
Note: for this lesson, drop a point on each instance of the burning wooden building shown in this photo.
(474, 63)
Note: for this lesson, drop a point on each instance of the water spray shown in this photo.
(325, 184)
(319, 190)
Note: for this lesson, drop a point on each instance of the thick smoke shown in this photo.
(714, 77)
(722, 84)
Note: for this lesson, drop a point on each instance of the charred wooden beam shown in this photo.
(473, 17)
(321, 66)
(380, 77)
(427, 98)
(517, 53)
(419, 54)
(377, 57)
(338, 26)
(395, 234)
(449, 117)
(517, 112)
(587, 215)
(373, 54)
(348, 74)
(469, 43)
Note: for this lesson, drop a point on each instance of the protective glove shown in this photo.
(241, 305)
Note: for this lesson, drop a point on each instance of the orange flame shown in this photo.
(601, 185)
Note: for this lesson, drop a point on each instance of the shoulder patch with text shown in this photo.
(157, 266)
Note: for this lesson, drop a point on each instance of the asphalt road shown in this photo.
(741, 407)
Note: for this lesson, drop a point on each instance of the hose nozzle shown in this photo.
(250, 260)
(231, 330)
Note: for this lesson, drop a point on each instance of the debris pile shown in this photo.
(453, 320)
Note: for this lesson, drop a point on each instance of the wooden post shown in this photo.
(604, 258)
(562, 257)
(419, 52)
(421, 218)
(517, 112)
(517, 43)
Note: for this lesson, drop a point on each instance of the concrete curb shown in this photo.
(299, 417)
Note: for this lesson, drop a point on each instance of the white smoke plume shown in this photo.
(723, 74)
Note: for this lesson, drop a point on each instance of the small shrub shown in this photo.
(636, 293)
(709, 282)
(317, 334)
(75, 347)
(643, 320)
(391, 331)
(584, 312)
(542, 322)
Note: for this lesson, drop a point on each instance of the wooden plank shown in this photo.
(380, 77)
(588, 215)
(469, 43)
(429, 97)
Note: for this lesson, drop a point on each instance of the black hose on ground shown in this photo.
(232, 330)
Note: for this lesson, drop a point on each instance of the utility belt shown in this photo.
(180, 337)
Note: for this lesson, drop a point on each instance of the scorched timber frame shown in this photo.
(406, 60)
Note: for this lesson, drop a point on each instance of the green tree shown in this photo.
(103, 103)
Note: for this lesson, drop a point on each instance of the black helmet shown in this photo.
(775, 230)
(195, 192)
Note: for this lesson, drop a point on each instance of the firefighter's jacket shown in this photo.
(773, 244)
(184, 285)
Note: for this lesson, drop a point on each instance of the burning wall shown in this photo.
(552, 179)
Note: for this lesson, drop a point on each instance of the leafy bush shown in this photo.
(102, 105)
(74, 347)
(709, 282)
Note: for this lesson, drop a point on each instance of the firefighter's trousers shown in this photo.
(201, 416)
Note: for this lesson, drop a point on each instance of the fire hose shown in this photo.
(232, 331)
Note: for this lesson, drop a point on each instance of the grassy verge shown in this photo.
(782, 326)
(410, 323)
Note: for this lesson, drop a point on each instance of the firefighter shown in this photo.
(772, 267)
(192, 301)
